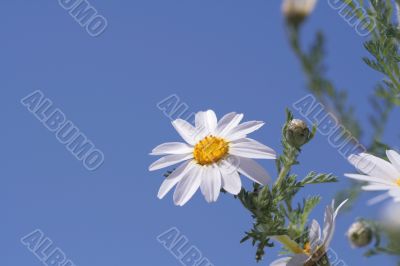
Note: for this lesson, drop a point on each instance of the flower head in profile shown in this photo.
(318, 242)
(360, 234)
(214, 154)
(379, 174)
(296, 11)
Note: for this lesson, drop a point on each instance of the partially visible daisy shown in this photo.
(318, 244)
(214, 152)
(379, 174)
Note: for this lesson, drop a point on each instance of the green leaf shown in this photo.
(315, 178)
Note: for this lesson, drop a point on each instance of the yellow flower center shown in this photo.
(210, 150)
(398, 182)
(307, 248)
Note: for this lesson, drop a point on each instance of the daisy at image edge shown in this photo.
(379, 174)
(318, 244)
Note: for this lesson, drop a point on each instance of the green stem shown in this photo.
(291, 156)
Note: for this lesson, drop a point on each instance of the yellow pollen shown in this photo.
(307, 248)
(210, 150)
(398, 182)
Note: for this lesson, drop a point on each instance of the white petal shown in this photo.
(174, 178)
(251, 153)
(371, 179)
(339, 207)
(281, 261)
(227, 123)
(328, 225)
(394, 158)
(169, 160)
(315, 235)
(250, 148)
(211, 183)
(185, 130)
(248, 142)
(253, 171)
(373, 166)
(378, 199)
(329, 222)
(242, 130)
(230, 179)
(206, 123)
(376, 187)
(172, 148)
(395, 193)
(188, 186)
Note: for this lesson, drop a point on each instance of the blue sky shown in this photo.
(225, 55)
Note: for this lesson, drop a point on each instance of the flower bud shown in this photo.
(360, 234)
(296, 11)
(297, 133)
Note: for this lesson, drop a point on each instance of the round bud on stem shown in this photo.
(296, 11)
(360, 234)
(297, 133)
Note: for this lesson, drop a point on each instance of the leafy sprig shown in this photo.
(271, 206)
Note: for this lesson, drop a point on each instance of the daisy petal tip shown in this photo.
(180, 202)
(210, 111)
(209, 201)
(265, 181)
(161, 195)
(177, 203)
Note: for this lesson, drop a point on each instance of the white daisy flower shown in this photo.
(298, 8)
(379, 174)
(214, 153)
(318, 244)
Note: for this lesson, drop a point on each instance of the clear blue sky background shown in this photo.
(225, 55)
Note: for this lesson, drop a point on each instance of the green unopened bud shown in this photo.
(296, 11)
(297, 133)
(360, 234)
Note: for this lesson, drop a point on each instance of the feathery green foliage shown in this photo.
(271, 206)
(382, 45)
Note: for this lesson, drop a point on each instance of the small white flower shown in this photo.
(214, 154)
(380, 175)
(318, 243)
(298, 8)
